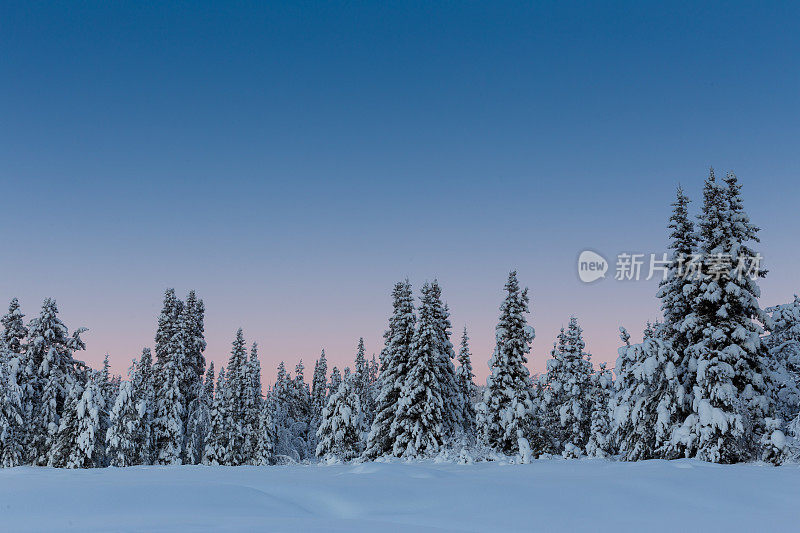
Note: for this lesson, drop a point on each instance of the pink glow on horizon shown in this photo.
(289, 339)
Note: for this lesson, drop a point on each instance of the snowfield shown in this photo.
(548, 495)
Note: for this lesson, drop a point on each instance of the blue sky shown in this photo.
(292, 161)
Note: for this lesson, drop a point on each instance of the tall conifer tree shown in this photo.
(505, 418)
(466, 385)
(418, 428)
(395, 366)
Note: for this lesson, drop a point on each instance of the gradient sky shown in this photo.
(292, 161)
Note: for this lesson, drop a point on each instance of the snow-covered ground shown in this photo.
(549, 495)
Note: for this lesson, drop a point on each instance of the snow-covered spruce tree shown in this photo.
(418, 426)
(14, 330)
(169, 418)
(336, 380)
(676, 291)
(13, 350)
(47, 409)
(318, 388)
(599, 444)
(104, 381)
(265, 448)
(168, 427)
(299, 379)
(280, 403)
(781, 440)
(505, 420)
(67, 435)
(208, 384)
(300, 415)
(236, 380)
(291, 412)
(125, 427)
(252, 406)
(200, 420)
(319, 385)
(453, 414)
(710, 237)
(567, 394)
(631, 437)
(373, 370)
(169, 325)
(643, 406)
(142, 381)
(195, 362)
(216, 443)
(730, 401)
(361, 364)
(290, 400)
(624, 336)
(340, 434)
(363, 385)
(395, 359)
(116, 382)
(12, 413)
(670, 390)
(169, 430)
(88, 450)
(49, 373)
(466, 385)
(783, 344)
(742, 231)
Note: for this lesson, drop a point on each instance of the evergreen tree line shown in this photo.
(717, 379)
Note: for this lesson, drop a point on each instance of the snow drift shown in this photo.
(548, 495)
